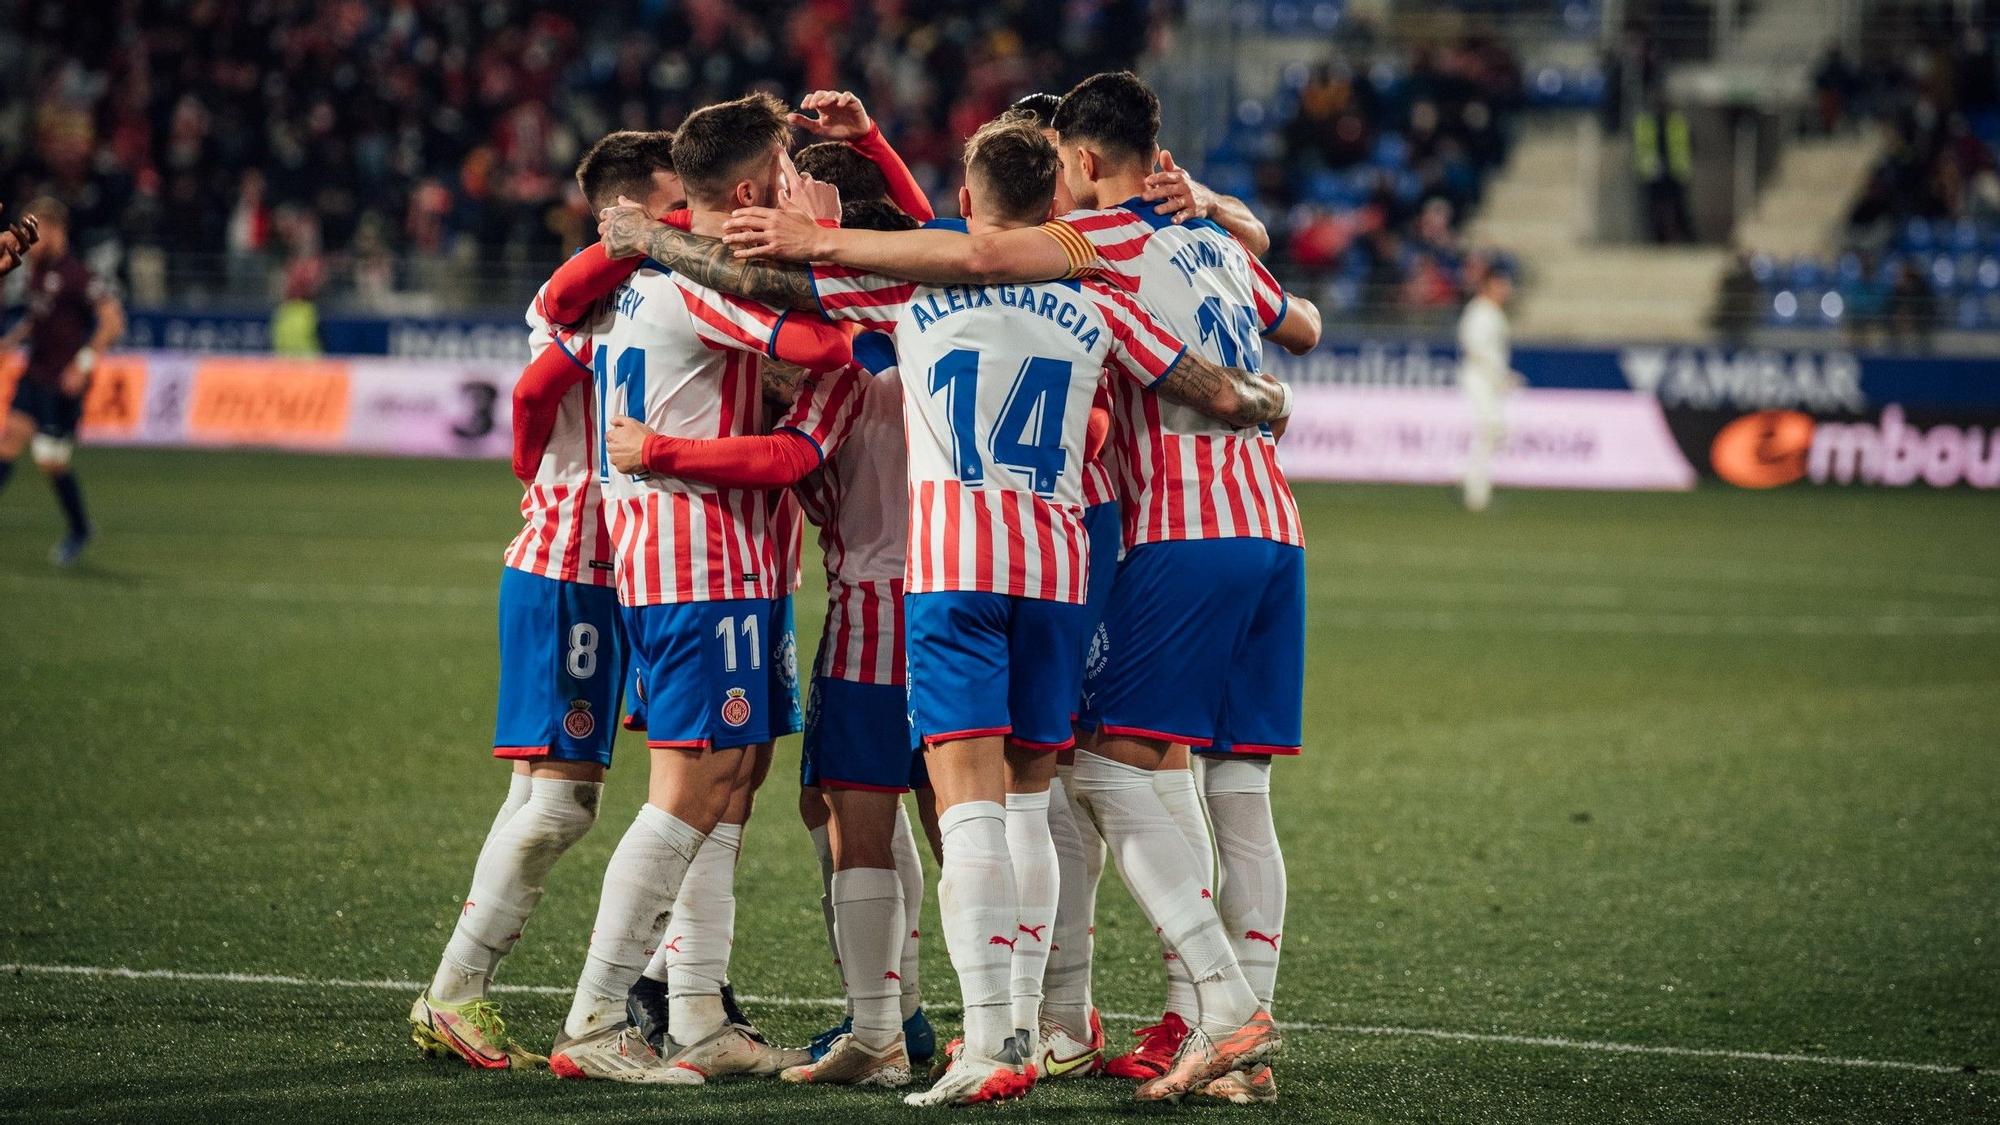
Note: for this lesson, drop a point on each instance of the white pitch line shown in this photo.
(1332, 607)
(1550, 1041)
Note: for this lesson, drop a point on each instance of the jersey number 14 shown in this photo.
(1027, 435)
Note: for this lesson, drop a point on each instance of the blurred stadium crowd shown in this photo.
(1922, 241)
(337, 132)
(374, 154)
(1368, 168)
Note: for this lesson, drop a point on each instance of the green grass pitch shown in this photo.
(1695, 773)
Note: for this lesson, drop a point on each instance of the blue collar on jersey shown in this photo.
(1138, 206)
(946, 224)
(874, 351)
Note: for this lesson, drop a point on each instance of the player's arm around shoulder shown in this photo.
(627, 231)
(1024, 254)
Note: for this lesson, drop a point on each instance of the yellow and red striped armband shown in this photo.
(1081, 253)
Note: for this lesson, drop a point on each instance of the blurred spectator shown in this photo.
(1739, 301)
(1663, 160)
(1866, 301)
(1912, 309)
(1834, 84)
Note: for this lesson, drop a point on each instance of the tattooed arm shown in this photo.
(1227, 394)
(629, 232)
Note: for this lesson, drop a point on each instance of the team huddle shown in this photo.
(1062, 564)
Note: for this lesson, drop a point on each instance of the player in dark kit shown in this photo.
(72, 318)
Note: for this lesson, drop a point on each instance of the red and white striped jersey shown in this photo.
(997, 386)
(788, 538)
(1099, 481)
(563, 533)
(1182, 474)
(687, 361)
(860, 500)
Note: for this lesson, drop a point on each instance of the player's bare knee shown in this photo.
(695, 785)
(14, 435)
(813, 812)
(1029, 770)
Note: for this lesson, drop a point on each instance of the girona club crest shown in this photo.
(579, 722)
(813, 703)
(735, 708)
(1100, 650)
(787, 659)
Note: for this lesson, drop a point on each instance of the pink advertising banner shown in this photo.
(1421, 435)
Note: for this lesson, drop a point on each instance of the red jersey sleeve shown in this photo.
(776, 460)
(587, 277)
(538, 393)
(903, 189)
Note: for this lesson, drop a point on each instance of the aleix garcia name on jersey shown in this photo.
(929, 308)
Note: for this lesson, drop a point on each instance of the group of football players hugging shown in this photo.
(1065, 596)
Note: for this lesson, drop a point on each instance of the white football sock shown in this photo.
(1080, 863)
(909, 869)
(1250, 892)
(1154, 860)
(695, 948)
(507, 882)
(1034, 855)
(519, 786)
(1183, 801)
(976, 899)
(640, 884)
(868, 903)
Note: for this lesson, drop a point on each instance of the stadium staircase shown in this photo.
(1576, 289)
(1804, 208)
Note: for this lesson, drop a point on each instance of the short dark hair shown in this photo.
(1017, 165)
(1038, 108)
(839, 164)
(715, 142)
(875, 214)
(1114, 111)
(623, 163)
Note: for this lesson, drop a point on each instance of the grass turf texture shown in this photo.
(1710, 770)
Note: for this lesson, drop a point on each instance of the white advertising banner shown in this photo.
(1420, 435)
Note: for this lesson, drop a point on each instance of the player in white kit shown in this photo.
(1486, 377)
